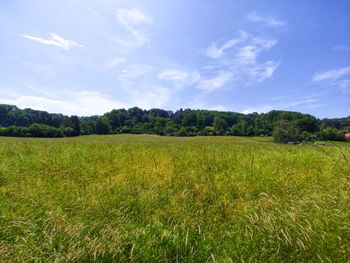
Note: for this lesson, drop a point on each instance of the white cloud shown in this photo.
(151, 97)
(86, 103)
(260, 109)
(344, 85)
(81, 103)
(131, 19)
(297, 103)
(173, 75)
(126, 43)
(132, 73)
(267, 20)
(339, 78)
(215, 52)
(263, 43)
(217, 82)
(116, 62)
(248, 54)
(282, 106)
(264, 71)
(181, 77)
(240, 65)
(55, 40)
(331, 75)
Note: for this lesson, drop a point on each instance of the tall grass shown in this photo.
(145, 198)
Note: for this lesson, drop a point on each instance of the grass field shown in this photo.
(142, 198)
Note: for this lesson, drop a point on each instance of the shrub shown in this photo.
(103, 126)
(331, 134)
(42, 130)
(34, 130)
(125, 129)
(285, 131)
(182, 131)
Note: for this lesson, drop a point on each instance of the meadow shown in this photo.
(144, 198)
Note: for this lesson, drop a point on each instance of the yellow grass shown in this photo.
(139, 198)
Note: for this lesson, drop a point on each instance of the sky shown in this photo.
(87, 57)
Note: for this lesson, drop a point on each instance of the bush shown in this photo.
(202, 133)
(182, 131)
(71, 126)
(125, 129)
(34, 130)
(42, 130)
(16, 131)
(103, 126)
(331, 134)
(285, 131)
(68, 131)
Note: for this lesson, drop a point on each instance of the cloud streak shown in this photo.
(180, 77)
(339, 78)
(216, 82)
(54, 40)
(310, 102)
(331, 75)
(215, 52)
(266, 20)
(130, 19)
(116, 62)
(236, 63)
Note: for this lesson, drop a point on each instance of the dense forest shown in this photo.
(299, 126)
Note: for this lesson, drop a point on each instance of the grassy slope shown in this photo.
(149, 198)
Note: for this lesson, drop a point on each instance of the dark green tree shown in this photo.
(285, 131)
(103, 126)
(220, 124)
(71, 126)
(307, 124)
(331, 134)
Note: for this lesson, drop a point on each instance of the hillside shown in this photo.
(34, 123)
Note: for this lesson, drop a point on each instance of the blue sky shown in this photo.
(87, 57)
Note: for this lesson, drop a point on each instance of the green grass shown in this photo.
(124, 198)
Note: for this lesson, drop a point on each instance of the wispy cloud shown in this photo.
(309, 103)
(216, 82)
(266, 20)
(298, 103)
(344, 85)
(248, 54)
(54, 40)
(215, 52)
(339, 78)
(134, 73)
(173, 75)
(133, 17)
(115, 62)
(236, 63)
(263, 71)
(130, 19)
(180, 77)
(332, 75)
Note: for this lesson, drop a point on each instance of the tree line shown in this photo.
(298, 126)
